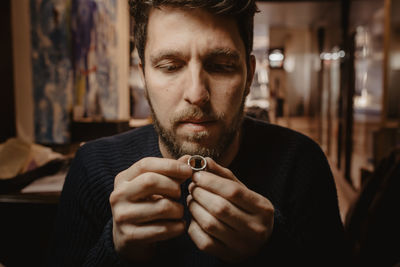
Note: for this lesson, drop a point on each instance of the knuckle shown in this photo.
(175, 187)
(229, 173)
(191, 230)
(176, 211)
(119, 217)
(119, 214)
(170, 209)
(165, 206)
(163, 229)
(171, 165)
(178, 190)
(260, 231)
(205, 244)
(180, 227)
(190, 206)
(125, 231)
(270, 211)
(267, 208)
(118, 178)
(221, 209)
(149, 181)
(128, 235)
(112, 199)
(115, 197)
(142, 165)
(209, 225)
(235, 191)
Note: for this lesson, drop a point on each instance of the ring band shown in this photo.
(197, 163)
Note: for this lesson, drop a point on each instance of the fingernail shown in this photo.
(191, 185)
(188, 199)
(196, 176)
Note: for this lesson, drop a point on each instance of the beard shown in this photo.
(196, 143)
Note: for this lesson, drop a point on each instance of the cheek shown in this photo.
(164, 97)
(160, 94)
(229, 94)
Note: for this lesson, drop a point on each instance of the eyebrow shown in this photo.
(214, 53)
(224, 52)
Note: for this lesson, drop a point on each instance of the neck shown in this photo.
(226, 158)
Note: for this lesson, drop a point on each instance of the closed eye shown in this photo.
(169, 66)
(213, 67)
(222, 61)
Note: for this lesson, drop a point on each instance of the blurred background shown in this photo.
(329, 69)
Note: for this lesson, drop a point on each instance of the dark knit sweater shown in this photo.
(285, 166)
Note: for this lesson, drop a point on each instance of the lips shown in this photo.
(196, 124)
(196, 121)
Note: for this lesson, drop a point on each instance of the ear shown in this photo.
(250, 73)
(142, 77)
(141, 70)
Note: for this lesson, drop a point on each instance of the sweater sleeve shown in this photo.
(83, 229)
(309, 226)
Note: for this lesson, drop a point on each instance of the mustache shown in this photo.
(194, 113)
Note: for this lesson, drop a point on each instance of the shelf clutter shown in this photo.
(22, 163)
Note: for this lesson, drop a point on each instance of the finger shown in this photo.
(184, 159)
(168, 167)
(191, 186)
(153, 232)
(208, 222)
(236, 193)
(145, 212)
(256, 227)
(208, 244)
(217, 229)
(217, 169)
(145, 186)
(221, 209)
(189, 198)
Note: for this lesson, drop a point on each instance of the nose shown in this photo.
(196, 87)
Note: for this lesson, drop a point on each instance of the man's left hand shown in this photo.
(229, 220)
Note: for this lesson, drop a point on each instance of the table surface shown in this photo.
(45, 190)
(31, 198)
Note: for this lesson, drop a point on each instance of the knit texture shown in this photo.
(285, 166)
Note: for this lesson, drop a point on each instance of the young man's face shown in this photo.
(196, 79)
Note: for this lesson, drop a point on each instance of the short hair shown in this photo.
(242, 11)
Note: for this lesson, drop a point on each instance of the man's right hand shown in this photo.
(144, 206)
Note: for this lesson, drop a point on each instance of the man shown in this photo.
(266, 197)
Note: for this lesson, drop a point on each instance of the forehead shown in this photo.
(191, 29)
